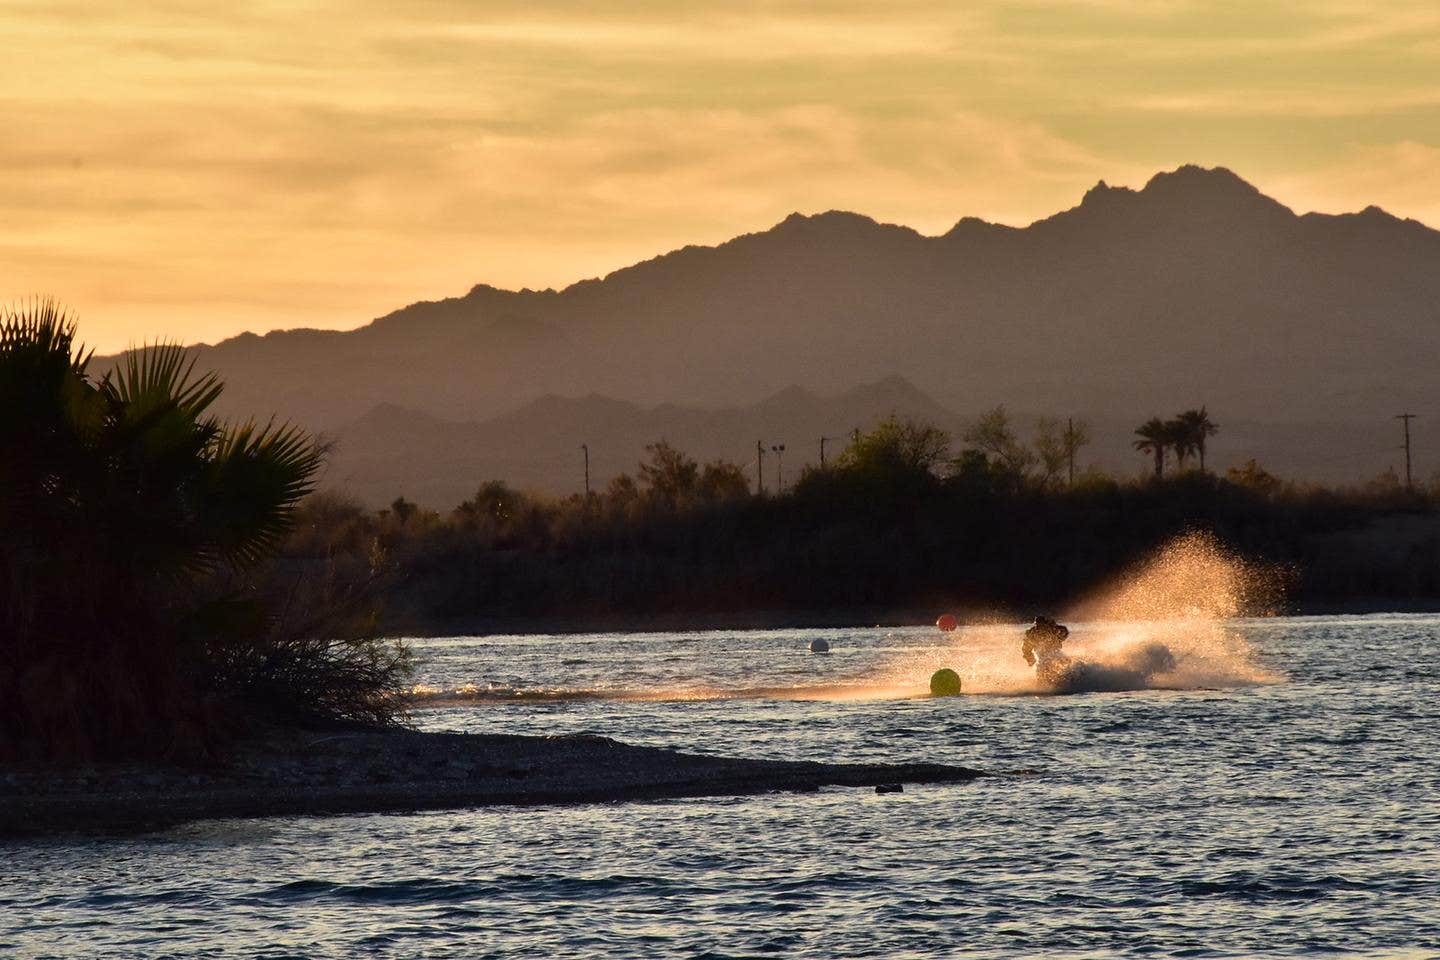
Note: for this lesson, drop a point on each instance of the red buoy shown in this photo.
(947, 622)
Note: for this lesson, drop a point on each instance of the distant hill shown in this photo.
(1195, 289)
(392, 451)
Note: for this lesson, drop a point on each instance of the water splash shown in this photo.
(1167, 624)
(1192, 579)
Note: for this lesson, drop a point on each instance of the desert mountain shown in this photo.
(1195, 289)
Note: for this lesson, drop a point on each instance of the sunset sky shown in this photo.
(194, 170)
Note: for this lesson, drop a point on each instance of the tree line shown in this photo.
(906, 519)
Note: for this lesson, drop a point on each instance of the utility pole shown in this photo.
(759, 468)
(1070, 449)
(780, 465)
(586, 448)
(1406, 418)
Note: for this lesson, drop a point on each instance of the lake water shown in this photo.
(1273, 792)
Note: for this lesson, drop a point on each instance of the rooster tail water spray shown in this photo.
(1167, 624)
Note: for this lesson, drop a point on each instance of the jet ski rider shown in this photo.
(1042, 642)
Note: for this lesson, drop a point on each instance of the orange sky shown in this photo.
(193, 170)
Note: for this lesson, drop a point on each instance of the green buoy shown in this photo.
(945, 683)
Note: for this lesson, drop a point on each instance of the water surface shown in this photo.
(1284, 804)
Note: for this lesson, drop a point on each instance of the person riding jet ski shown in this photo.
(1041, 648)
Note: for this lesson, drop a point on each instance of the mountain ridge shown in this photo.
(1195, 288)
(482, 291)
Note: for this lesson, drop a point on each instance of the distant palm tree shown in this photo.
(1198, 428)
(1180, 440)
(1155, 438)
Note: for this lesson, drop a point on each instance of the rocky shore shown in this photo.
(369, 771)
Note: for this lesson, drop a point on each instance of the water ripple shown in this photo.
(1274, 820)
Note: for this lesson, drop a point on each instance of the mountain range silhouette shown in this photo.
(1303, 334)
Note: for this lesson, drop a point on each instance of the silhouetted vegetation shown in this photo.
(1186, 435)
(899, 522)
(1155, 437)
(132, 527)
(1193, 430)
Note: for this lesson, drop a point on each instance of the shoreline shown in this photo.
(861, 618)
(319, 773)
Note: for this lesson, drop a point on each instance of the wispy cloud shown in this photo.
(1294, 103)
(721, 37)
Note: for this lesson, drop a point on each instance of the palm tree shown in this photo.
(1198, 428)
(1155, 438)
(1180, 440)
(119, 495)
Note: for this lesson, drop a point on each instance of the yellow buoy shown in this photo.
(945, 683)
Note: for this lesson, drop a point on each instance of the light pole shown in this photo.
(779, 451)
(586, 448)
(1406, 418)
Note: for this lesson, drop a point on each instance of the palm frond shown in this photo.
(47, 405)
(41, 325)
(1152, 433)
(161, 376)
(255, 478)
(38, 352)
